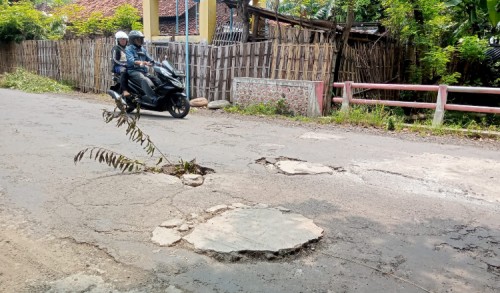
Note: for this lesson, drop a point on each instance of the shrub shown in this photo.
(32, 83)
(21, 21)
(473, 49)
(126, 17)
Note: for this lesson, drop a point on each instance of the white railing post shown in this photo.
(346, 95)
(440, 103)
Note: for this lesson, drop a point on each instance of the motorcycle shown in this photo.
(170, 92)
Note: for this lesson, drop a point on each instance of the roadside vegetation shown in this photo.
(32, 83)
(387, 118)
(135, 134)
(21, 20)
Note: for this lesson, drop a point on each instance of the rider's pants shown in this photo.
(146, 81)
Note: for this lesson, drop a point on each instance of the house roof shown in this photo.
(166, 7)
(166, 11)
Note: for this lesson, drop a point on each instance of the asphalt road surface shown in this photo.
(399, 214)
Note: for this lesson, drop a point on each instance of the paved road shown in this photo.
(398, 215)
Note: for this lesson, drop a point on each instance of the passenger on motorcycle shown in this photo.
(120, 60)
(137, 60)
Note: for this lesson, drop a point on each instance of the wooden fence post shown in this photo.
(440, 103)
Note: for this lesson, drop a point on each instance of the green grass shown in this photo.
(32, 83)
(372, 116)
(267, 109)
(388, 118)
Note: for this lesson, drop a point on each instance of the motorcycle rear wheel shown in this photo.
(179, 107)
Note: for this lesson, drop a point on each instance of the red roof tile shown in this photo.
(166, 7)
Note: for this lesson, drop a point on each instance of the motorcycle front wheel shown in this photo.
(179, 106)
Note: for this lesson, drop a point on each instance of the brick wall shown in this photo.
(302, 97)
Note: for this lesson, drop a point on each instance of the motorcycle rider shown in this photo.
(120, 61)
(137, 60)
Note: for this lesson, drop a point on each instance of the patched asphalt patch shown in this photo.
(292, 166)
(240, 232)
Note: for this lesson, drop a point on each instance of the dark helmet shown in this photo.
(134, 35)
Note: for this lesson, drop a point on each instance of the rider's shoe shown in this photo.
(125, 93)
(152, 101)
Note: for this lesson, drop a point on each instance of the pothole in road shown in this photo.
(185, 168)
(189, 172)
(292, 166)
(239, 232)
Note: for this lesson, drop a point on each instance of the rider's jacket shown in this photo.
(135, 53)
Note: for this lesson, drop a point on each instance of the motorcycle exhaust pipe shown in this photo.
(116, 96)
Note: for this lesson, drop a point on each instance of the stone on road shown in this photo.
(164, 236)
(257, 230)
(218, 104)
(193, 180)
(198, 102)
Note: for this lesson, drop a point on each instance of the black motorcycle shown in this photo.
(170, 92)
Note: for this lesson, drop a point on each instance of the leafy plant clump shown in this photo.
(32, 83)
(390, 124)
(280, 107)
(21, 21)
(378, 116)
(126, 17)
(135, 134)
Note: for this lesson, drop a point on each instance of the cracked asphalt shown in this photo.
(402, 215)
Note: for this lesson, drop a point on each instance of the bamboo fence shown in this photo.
(371, 63)
(85, 63)
(288, 34)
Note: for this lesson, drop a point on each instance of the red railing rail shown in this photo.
(440, 105)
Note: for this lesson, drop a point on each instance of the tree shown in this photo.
(242, 6)
(20, 21)
(364, 10)
(435, 32)
(126, 17)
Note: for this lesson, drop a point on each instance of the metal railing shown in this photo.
(441, 102)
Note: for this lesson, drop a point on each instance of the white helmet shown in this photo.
(121, 35)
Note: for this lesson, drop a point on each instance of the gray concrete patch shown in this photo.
(254, 229)
(165, 237)
(302, 168)
(320, 136)
(183, 228)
